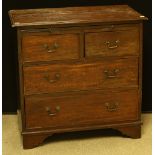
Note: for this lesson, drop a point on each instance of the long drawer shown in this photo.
(109, 73)
(89, 108)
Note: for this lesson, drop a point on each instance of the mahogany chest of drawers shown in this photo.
(80, 68)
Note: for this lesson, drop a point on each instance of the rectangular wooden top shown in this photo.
(74, 15)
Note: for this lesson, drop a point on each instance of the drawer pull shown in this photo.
(112, 44)
(111, 73)
(52, 48)
(111, 106)
(55, 79)
(57, 109)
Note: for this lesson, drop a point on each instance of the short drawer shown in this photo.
(109, 73)
(45, 46)
(117, 41)
(81, 109)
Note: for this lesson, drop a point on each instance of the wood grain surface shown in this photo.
(74, 15)
(43, 46)
(115, 42)
(100, 88)
(81, 109)
(81, 76)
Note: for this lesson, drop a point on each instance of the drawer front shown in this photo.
(107, 73)
(80, 109)
(118, 41)
(44, 46)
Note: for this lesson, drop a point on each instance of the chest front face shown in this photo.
(77, 73)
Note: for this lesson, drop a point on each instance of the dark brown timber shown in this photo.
(79, 69)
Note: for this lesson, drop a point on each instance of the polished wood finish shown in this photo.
(115, 42)
(79, 69)
(130, 131)
(77, 76)
(80, 109)
(70, 15)
(45, 46)
(28, 143)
